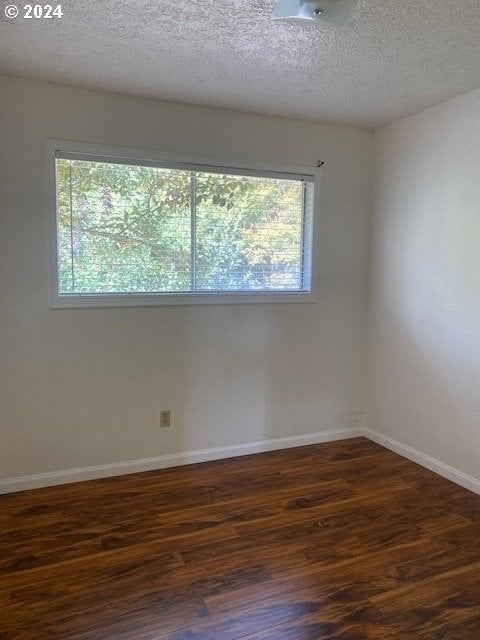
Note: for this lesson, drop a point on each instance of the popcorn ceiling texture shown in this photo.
(391, 59)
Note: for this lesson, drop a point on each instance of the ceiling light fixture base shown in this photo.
(332, 12)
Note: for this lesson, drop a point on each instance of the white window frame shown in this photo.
(175, 161)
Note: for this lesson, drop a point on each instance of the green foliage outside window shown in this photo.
(139, 229)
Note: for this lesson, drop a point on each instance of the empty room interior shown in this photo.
(240, 320)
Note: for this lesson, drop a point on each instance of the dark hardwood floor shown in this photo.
(341, 541)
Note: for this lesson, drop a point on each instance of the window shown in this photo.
(133, 231)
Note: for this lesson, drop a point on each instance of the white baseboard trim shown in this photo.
(437, 466)
(37, 481)
(22, 483)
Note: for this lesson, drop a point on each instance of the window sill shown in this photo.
(179, 299)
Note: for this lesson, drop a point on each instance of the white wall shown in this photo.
(84, 387)
(424, 319)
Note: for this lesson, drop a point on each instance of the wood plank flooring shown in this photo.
(340, 541)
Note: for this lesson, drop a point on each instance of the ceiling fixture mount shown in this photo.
(333, 12)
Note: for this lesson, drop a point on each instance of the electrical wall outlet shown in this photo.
(165, 416)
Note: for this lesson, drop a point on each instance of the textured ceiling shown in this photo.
(392, 58)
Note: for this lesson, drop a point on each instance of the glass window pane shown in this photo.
(122, 228)
(249, 233)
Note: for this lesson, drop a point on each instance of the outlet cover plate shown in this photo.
(165, 418)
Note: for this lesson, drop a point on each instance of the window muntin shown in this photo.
(129, 228)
